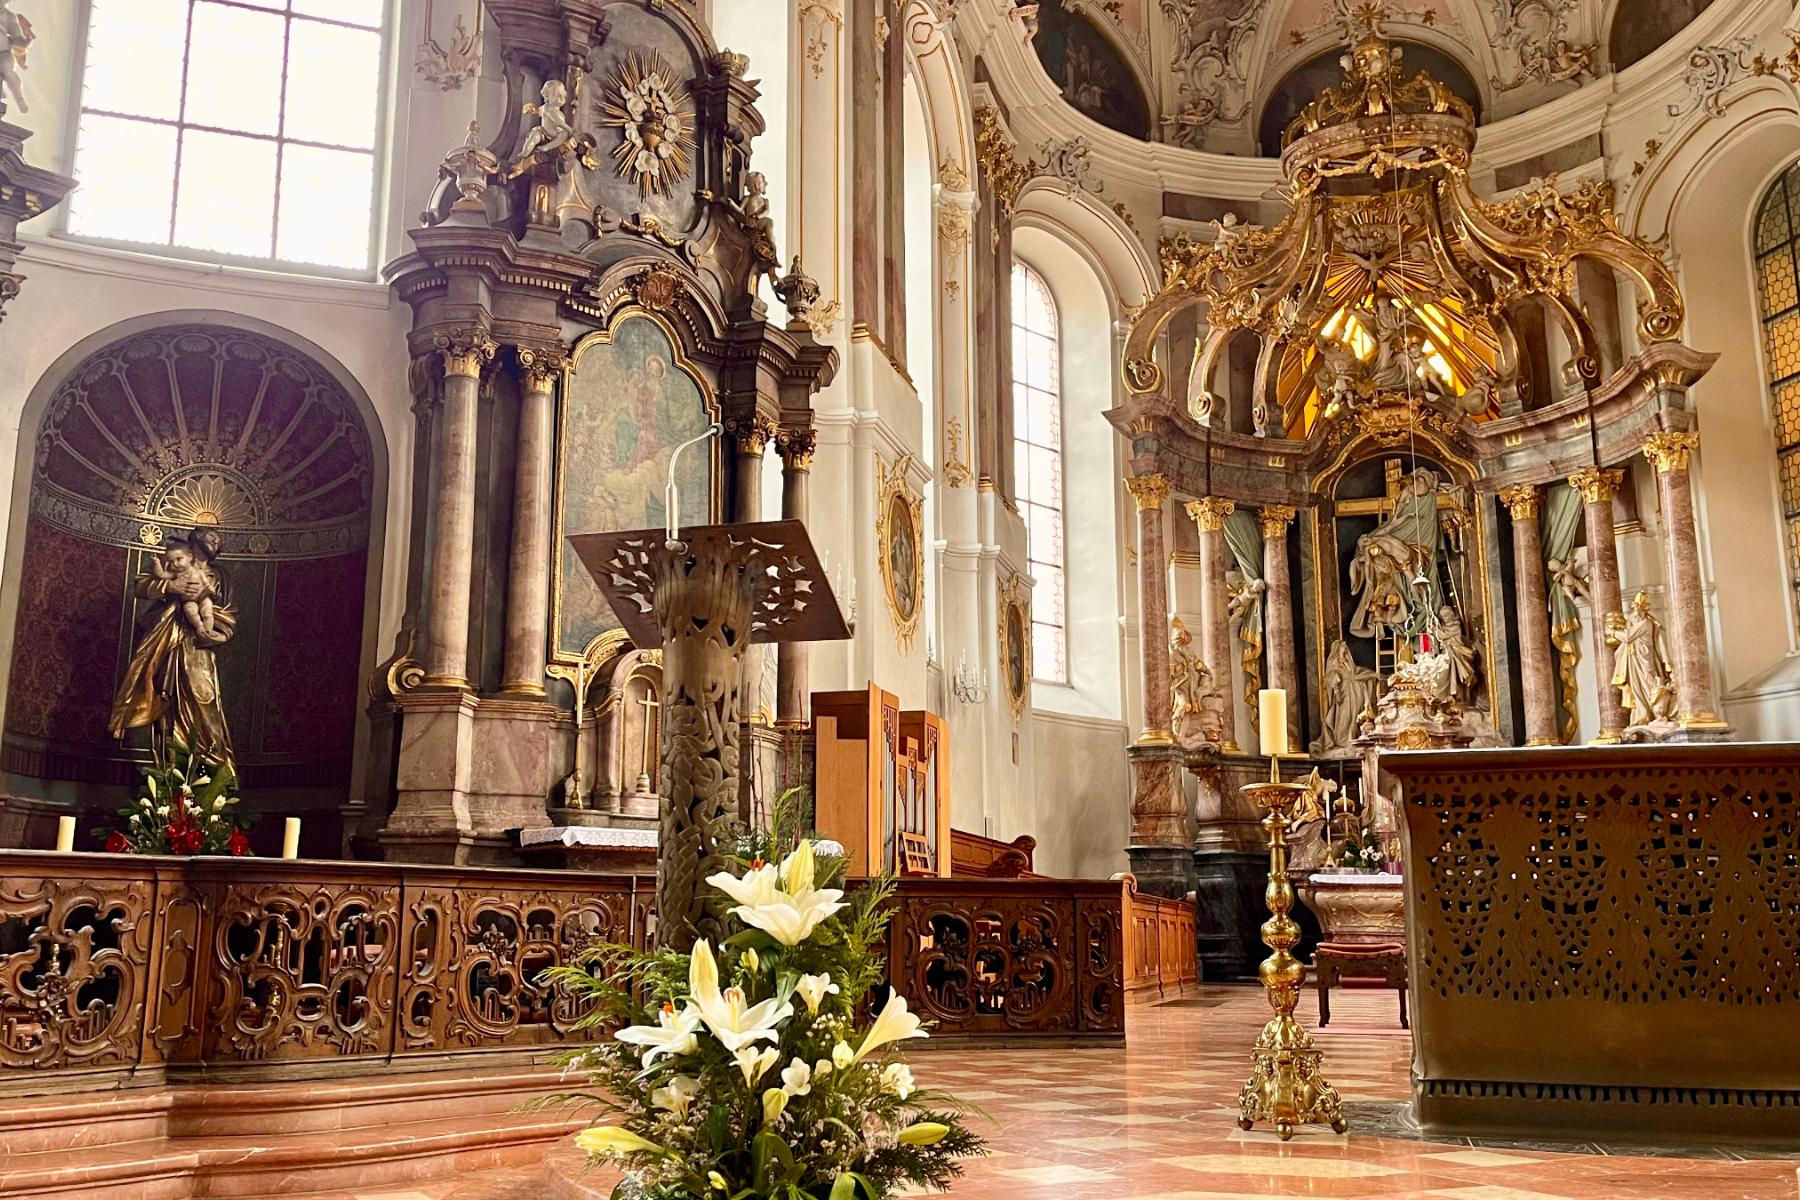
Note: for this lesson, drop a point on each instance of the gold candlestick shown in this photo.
(1284, 1085)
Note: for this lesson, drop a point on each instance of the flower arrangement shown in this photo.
(186, 808)
(750, 1069)
(1362, 853)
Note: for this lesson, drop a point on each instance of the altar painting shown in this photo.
(628, 404)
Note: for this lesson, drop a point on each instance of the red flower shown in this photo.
(237, 843)
(184, 836)
(118, 843)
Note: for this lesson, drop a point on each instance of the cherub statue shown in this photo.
(1337, 374)
(189, 577)
(553, 131)
(15, 36)
(1641, 668)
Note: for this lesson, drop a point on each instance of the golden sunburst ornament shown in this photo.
(648, 106)
(206, 499)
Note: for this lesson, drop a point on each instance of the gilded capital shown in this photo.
(1521, 501)
(753, 433)
(1209, 512)
(1273, 519)
(1148, 490)
(465, 351)
(796, 447)
(542, 366)
(1597, 483)
(1670, 451)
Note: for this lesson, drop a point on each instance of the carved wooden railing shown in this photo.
(1011, 959)
(973, 856)
(115, 966)
(1160, 949)
(1605, 938)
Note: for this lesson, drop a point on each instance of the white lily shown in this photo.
(842, 1056)
(823, 1067)
(755, 1063)
(799, 869)
(898, 1079)
(673, 1033)
(735, 1023)
(759, 885)
(677, 1095)
(796, 1078)
(894, 1024)
(813, 989)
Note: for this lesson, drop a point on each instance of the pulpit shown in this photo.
(882, 782)
(705, 595)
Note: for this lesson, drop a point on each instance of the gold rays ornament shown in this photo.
(648, 106)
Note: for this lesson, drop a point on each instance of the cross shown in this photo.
(651, 706)
(1383, 505)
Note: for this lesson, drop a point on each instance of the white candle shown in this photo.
(290, 838)
(65, 834)
(1271, 714)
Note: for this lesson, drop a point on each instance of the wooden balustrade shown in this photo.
(1160, 948)
(114, 967)
(973, 856)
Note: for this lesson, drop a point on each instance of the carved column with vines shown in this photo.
(1215, 614)
(1532, 596)
(1598, 486)
(445, 657)
(793, 685)
(528, 573)
(1278, 604)
(1672, 454)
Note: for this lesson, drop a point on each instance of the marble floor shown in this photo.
(1157, 1121)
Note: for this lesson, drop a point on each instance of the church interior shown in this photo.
(1185, 600)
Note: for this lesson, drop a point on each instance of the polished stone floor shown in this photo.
(1157, 1121)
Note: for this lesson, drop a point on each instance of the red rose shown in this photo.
(184, 836)
(118, 843)
(237, 843)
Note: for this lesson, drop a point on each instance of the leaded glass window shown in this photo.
(232, 129)
(1037, 465)
(1777, 272)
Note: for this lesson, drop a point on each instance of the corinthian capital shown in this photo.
(1209, 512)
(1521, 501)
(1671, 451)
(1273, 520)
(542, 366)
(1597, 483)
(796, 447)
(465, 351)
(1148, 490)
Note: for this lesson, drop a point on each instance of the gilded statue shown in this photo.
(1641, 668)
(171, 685)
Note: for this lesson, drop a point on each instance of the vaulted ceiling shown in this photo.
(1224, 74)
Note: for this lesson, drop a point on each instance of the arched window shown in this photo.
(1778, 285)
(1037, 464)
(233, 129)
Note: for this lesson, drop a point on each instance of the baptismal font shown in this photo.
(1400, 413)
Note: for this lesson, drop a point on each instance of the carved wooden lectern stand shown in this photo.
(705, 598)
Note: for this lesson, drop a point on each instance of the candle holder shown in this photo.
(1285, 1086)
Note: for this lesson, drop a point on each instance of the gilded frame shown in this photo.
(899, 522)
(1014, 640)
(559, 657)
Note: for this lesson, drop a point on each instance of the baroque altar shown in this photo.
(1400, 418)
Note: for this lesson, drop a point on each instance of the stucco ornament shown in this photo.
(648, 106)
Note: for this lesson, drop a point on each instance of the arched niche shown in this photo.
(1304, 83)
(1091, 71)
(147, 432)
(1641, 27)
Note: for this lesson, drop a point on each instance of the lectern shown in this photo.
(704, 599)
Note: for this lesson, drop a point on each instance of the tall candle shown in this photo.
(1271, 714)
(65, 834)
(290, 838)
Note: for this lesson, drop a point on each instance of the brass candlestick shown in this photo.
(1284, 1085)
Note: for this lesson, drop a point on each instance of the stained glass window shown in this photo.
(233, 129)
(1777, 237)
(1037, 465)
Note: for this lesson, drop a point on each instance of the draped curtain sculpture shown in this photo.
(1246, 543)
(1567, 581)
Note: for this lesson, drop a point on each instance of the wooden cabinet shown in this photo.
(882, 782)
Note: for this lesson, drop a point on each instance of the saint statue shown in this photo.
(171, 685)
(1641, 669)
(1394, 572)
(1196, 715)
(1351, 689)
(1458, 654)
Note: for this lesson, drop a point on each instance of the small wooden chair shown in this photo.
(1349, 965)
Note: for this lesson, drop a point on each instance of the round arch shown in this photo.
(306, 541)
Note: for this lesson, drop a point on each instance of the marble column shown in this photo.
(1278, 611)
(1598, 486)
(445, 654)
(528, 564)
(793, 695)
(1151, 492)
(752, 439)
(1533, 597)
(1215, 614)
(1671, 453)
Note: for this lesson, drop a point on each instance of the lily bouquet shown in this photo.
(186, 808)
(751, 1069)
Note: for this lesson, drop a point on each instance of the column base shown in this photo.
(1162, 870)
(470, 772)
(1229, 912)
(1702, 727)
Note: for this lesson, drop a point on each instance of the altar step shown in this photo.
(276, 1140)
